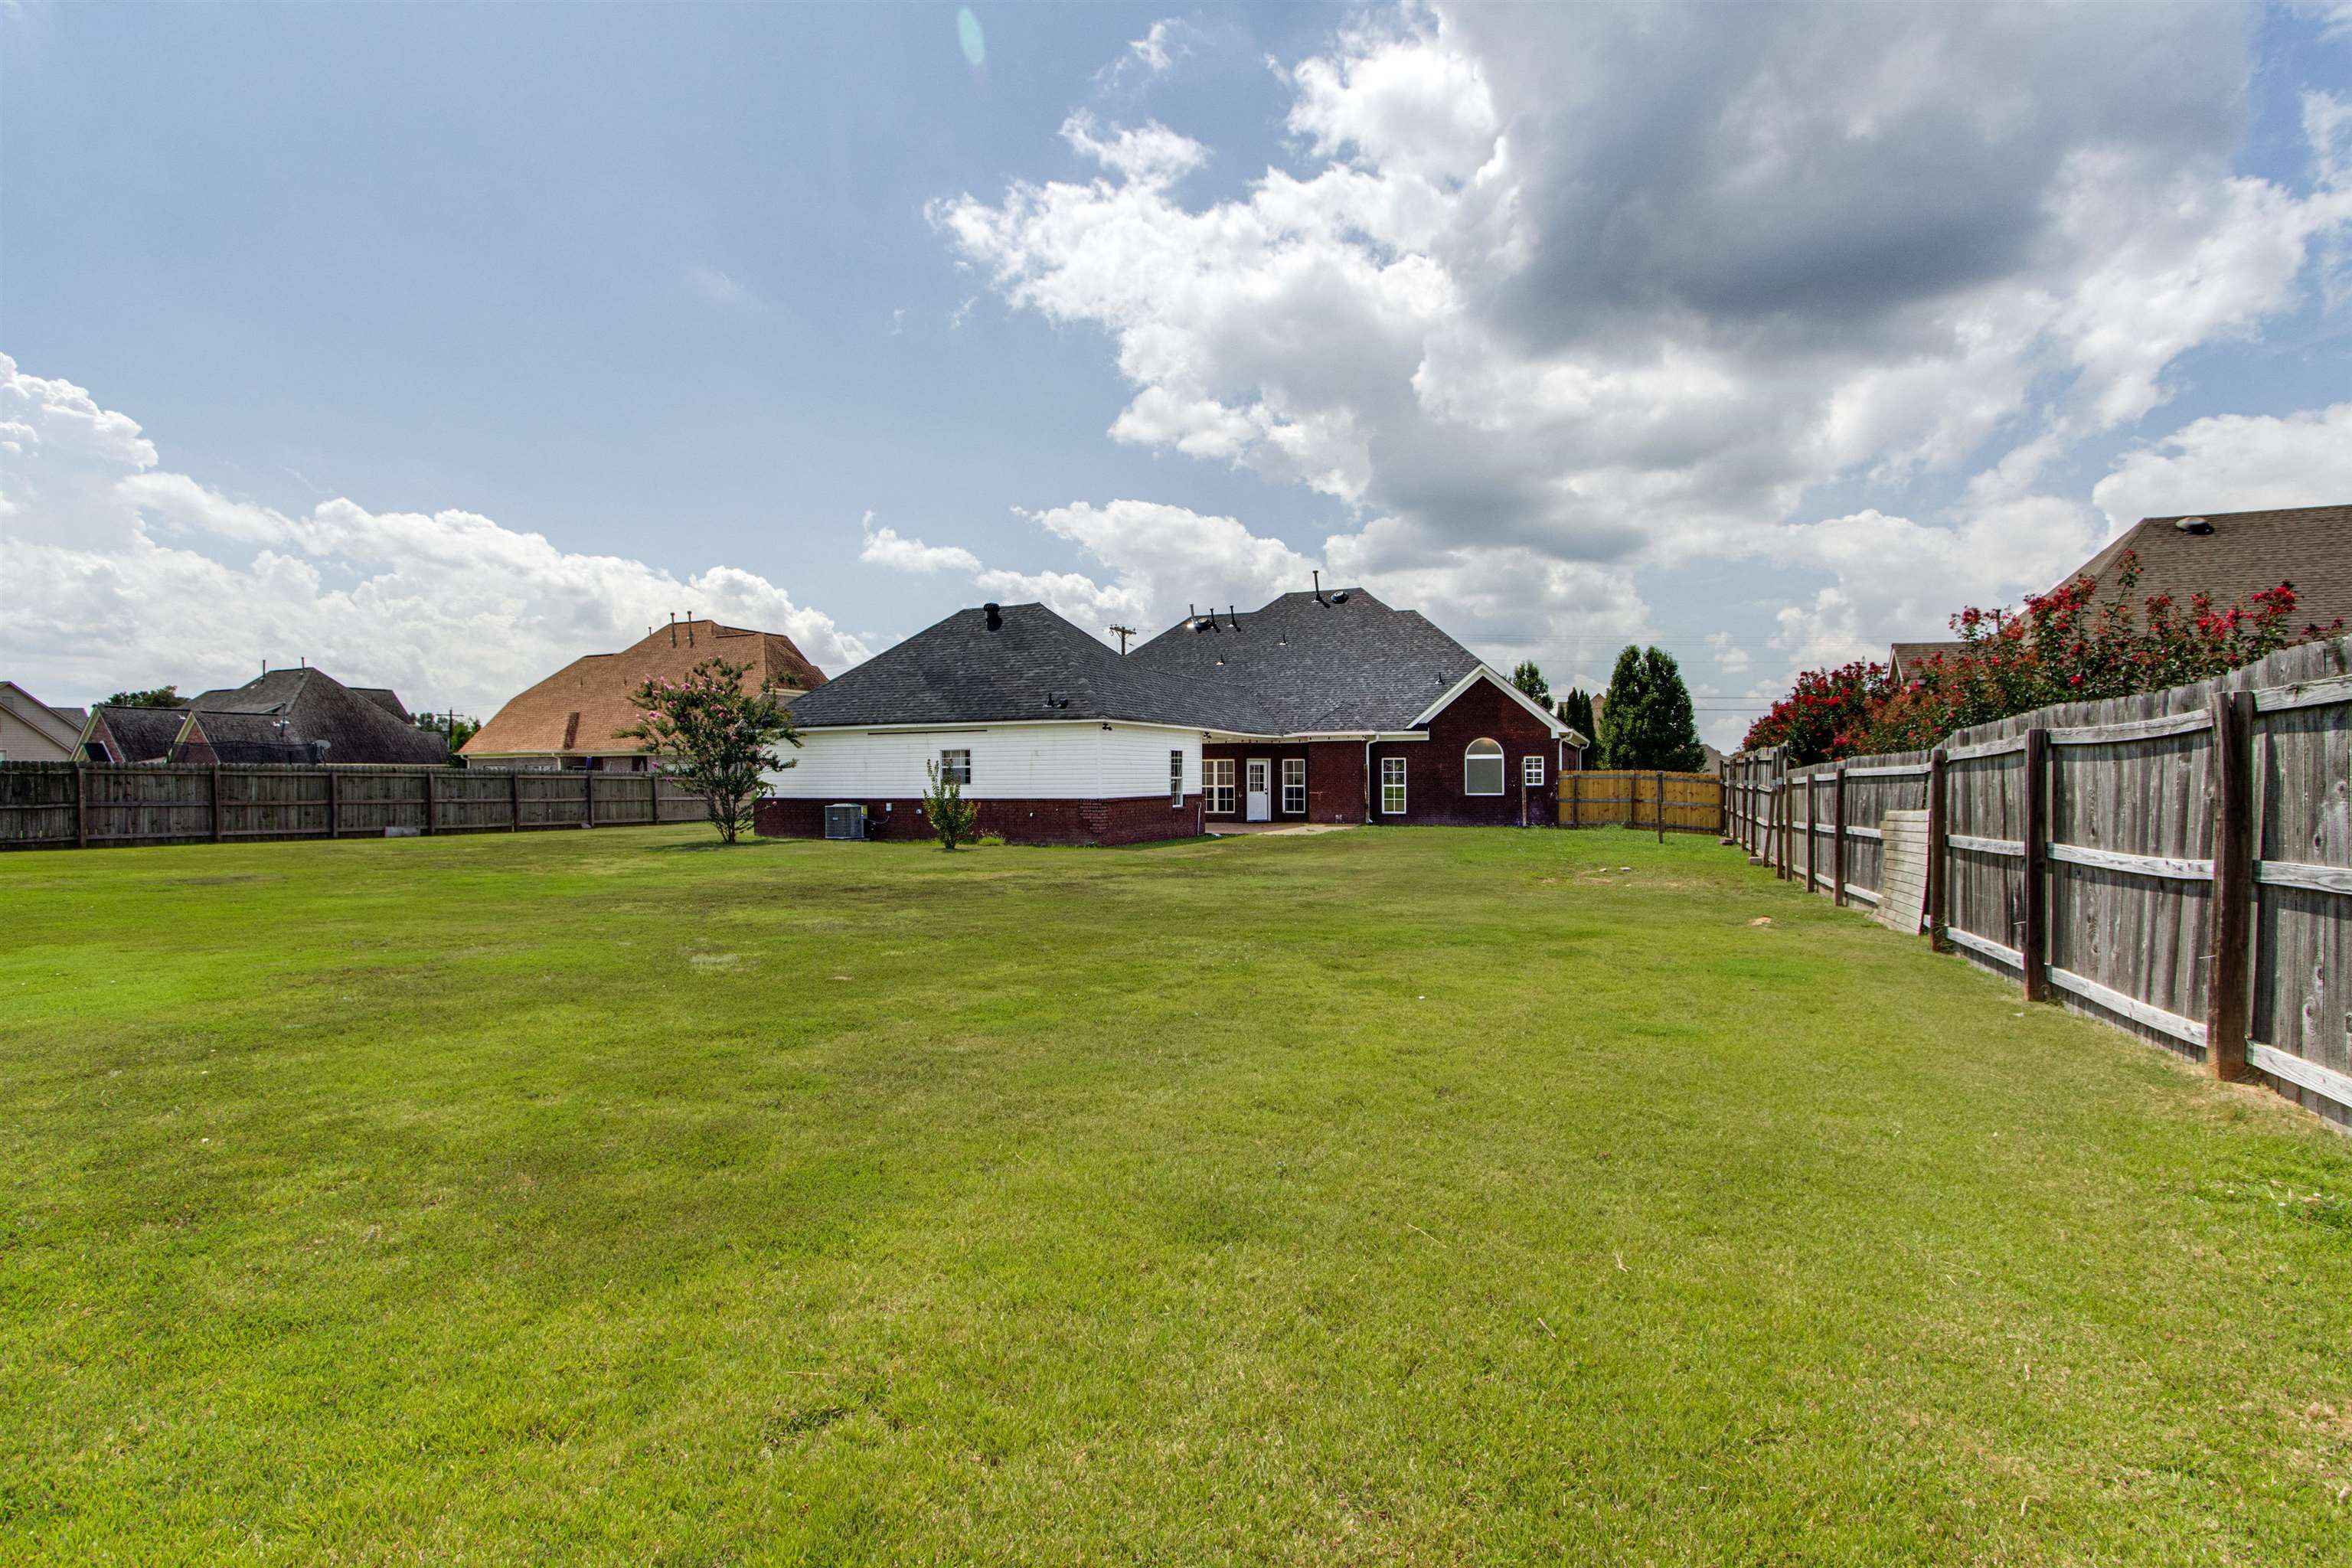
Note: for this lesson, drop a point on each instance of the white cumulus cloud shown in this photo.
(121, 572)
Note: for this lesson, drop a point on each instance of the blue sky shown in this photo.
(710, 296)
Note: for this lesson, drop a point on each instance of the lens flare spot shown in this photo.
(968, 34)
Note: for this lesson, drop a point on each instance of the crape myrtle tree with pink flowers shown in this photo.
(715, 738)
(2064, 646)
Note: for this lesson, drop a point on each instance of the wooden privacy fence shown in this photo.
(2178, 864)
(66, 806)
(1668, 803)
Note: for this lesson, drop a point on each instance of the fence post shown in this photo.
(2233, 883)
(514, 801)
(81, 809)
(1940, 889)
(1837, 845)
(2033, 943)
(653, 798)
(216, 803)
(1660, 810)
(334, 803)
(431, 806)
(1783, 798)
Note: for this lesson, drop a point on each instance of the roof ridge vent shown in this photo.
(2194, 525)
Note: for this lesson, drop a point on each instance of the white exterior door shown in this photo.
(1260, 793)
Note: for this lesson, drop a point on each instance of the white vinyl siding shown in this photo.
(1392, 786)
(1294, 787)
(1076, 761)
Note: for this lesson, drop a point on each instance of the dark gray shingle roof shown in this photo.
(318, 708)
(1295, 667)
(138, 734)
(1319, 667)
(960, 672)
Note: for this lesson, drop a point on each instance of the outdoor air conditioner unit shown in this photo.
(845, 822)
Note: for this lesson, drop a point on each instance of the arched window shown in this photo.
(1482, 768)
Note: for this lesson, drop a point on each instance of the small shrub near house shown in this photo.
(952, 818)
(714, 738)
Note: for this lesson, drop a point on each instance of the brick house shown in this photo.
(570, 720)
(301, 716)
(1328, 708)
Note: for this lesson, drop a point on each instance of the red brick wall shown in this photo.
(1335, 781)
(1135, 820)
(1274, 753)
(1433, 791)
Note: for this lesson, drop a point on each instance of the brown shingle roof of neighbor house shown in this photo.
(132, 734)
(1904, 657)
(576, 709)
(319, 708)
(384, 697)
(2233, 555)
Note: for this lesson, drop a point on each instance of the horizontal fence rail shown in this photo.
(1661, 802)
(2177, 863)
(69, 805)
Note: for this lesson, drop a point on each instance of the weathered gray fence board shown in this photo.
(2131, 857)
(122, 803)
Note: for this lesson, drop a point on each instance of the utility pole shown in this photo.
(1124, 633)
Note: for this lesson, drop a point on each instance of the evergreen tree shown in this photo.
(1576, 712)
(1621, 705)
(1647, 721)
(1531, 683)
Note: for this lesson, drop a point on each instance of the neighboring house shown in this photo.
(33, 731)
(115, 734)
(1906, 661)
(289, 716)
(2233, 555)
(1328, 708)
(569, 720)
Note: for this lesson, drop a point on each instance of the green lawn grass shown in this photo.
(1397, 1195)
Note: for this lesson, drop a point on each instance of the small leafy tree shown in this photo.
(954, 817)
(713, 737)
(1530, 681)
(153, 696)
(1647, 721)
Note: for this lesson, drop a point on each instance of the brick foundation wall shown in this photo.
(1136, 820)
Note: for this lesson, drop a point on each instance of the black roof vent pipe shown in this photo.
(1318, 590)
(995, 615)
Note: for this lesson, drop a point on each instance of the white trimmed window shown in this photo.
(1482, 768)
(1391, 786)
(1176, 778)
(955, 766)
(1294, 787)
(1531, 772)
(1217, 785)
